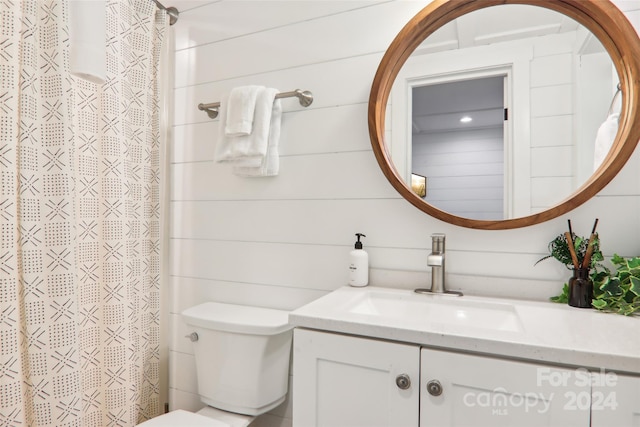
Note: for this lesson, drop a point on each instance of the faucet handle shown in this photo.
(437, 242)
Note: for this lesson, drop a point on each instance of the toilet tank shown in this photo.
(242, 355)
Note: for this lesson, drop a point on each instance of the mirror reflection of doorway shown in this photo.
(458, 143)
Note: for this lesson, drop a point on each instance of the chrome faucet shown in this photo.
(435, 260)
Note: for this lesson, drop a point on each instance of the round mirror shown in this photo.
(494, 107)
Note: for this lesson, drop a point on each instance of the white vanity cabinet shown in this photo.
(344, 381)
(469, 390)
(351, 381)
(482, 362)
(615, 400)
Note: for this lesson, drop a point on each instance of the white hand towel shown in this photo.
(241, 110)
(248, 148)
(255, 154)
(604, 139)
(224, 147)
(269, 163)
(88, 40)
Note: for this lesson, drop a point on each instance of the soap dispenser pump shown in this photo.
(358, 264)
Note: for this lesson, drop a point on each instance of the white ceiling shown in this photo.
(440, 107)
(497, 24)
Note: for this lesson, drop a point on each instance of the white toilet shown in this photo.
(242, 359)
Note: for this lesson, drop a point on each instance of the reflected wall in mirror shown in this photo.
(464, 100)
(499, 107)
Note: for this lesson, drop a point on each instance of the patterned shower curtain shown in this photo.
(79, 220)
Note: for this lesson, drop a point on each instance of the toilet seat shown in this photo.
(181, 417)
(230, 419)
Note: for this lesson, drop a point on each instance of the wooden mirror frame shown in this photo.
(602, 18)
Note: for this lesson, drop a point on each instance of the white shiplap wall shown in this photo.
(464, 170)
(281, 242)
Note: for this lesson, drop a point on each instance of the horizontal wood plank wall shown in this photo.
(464, 170)
(283, 241)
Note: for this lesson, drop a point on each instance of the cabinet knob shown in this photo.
(403, 381)
(434, 388)
(193, 336)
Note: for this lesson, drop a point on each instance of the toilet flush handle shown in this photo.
(193, 336)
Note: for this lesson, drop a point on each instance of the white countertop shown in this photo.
(545, 332)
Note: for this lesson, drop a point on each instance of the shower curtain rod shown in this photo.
(171, 11)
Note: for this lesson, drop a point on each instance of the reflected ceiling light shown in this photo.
(465, 119)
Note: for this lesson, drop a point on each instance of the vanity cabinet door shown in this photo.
(483, 391)
(615, 400)
(344, 381)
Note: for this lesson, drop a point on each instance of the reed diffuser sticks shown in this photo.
(586, 261)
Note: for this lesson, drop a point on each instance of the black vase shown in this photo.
(580, 288)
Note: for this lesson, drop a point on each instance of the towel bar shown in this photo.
(305, 97)
(613, 101)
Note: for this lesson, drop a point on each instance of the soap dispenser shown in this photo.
(358, 264)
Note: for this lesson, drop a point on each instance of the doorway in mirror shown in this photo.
(459, 140)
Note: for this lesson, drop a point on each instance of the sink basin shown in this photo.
(437, 310)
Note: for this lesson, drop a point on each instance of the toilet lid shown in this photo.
(241, 319)
(183, 418)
